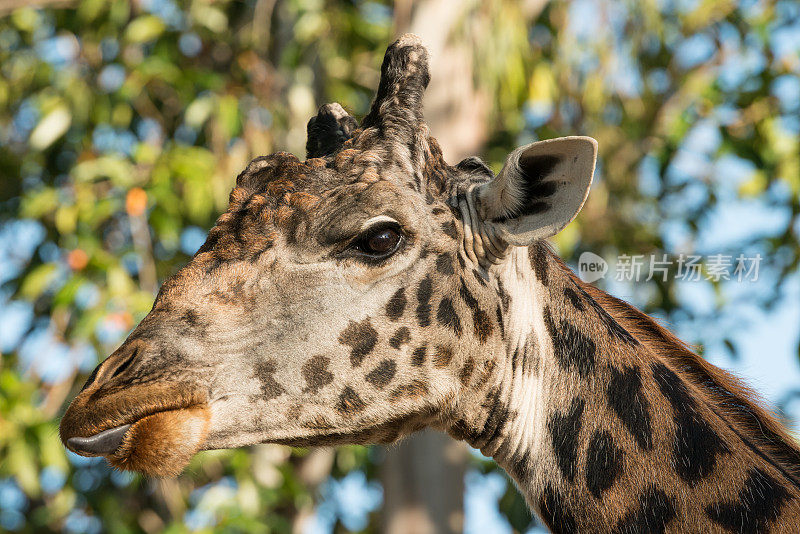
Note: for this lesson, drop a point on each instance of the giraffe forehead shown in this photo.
(329, 198)
(365, 157)
(273, 199)
(280, 180)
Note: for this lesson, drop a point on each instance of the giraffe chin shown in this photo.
(162, 444)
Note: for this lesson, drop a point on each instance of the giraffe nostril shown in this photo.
(91, 378)
(106, 366)
(124, 365)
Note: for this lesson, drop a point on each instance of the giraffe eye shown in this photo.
(379, 242)
(382, 242)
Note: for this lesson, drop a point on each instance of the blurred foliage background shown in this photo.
(124, 124)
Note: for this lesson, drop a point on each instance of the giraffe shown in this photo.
(373, 290)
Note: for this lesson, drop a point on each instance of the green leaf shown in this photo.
(228, 116)
(144, 28)
(23, 467)
(38, 280)
(50, 128)
(39, 203)
(115, 168)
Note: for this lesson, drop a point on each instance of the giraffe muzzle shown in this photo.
(137, 422)
(102, 444)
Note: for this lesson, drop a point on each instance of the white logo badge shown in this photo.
(591, 267)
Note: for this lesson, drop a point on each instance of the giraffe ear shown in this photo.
(540, 189)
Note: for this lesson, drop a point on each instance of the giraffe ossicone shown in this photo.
(373, 290)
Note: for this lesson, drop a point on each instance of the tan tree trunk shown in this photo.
(423, 485)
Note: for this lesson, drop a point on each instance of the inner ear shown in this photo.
(540, 189)
(534, 188)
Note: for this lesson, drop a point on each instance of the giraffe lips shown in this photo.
(104, 443)
(154, 429)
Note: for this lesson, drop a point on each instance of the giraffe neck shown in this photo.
(602, 432)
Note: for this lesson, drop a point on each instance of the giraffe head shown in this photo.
(349, 298)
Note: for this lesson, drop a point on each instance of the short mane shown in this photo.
(735, 403)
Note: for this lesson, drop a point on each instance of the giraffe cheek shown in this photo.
(162, 444)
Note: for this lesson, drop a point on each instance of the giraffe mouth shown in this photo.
(108, 441)
(154, 429)
(158, 444)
